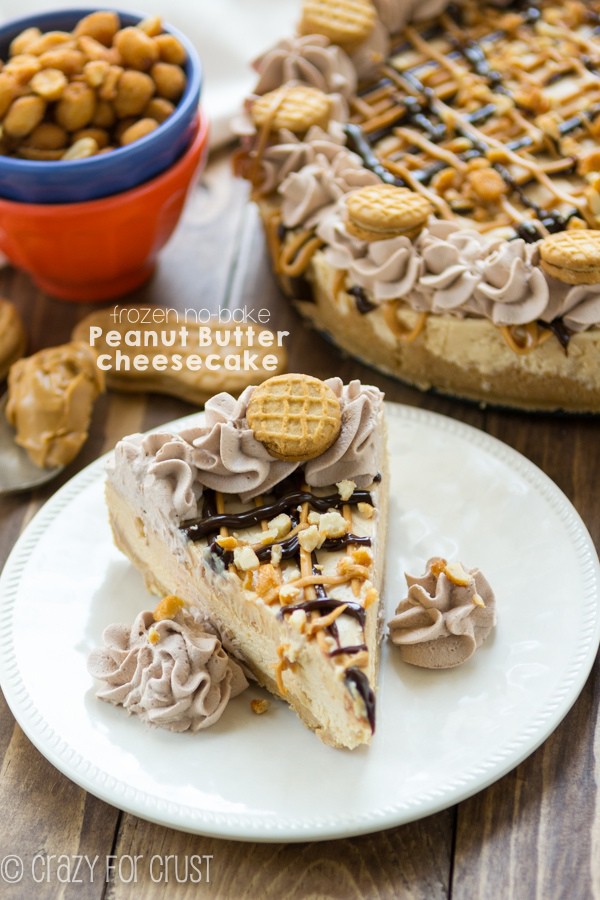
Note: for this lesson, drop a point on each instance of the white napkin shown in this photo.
(228, 35)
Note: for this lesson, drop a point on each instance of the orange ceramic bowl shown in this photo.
(101, 249)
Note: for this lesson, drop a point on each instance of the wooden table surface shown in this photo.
(533, 834)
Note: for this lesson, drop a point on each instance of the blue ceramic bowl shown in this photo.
(109, 173)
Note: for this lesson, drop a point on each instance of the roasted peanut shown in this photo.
(137, 49)
(36, 155)
(23, 40)
(81, 149)
(152, 26)
(23, 115)
(108, 89)
(170, 49)
(47, 136)
(67, 59)
(50, 41)
(102, 26)
(93, 49)
(49, 83)
(76, 107)
(133, 93)
(9, 90)
(169, 80)
(95, 71)
(22, 67)
(104, 116)
(138, 130)
(158, 108)
(99, 135)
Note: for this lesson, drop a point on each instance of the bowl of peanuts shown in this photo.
(92, 103)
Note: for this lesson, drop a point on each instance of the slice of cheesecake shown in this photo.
(270, 517)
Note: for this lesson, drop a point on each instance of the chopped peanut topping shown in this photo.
(313, 518)
(346, 488)
(487, 184)
(298, 619)
(332, 524)
(437, 566)
(266, 578)
(289, 593)
(276, 554)
(260, 706)
(168, 607)
(282, 525)
(244, 558)
(309, 539)
(457, 575)
(478, 600)
(153, 636)
(362, 556)
(366, 510)
(227, 542)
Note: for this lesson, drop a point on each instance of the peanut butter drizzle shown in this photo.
(391, 320)
(524, 338)
(297, 253)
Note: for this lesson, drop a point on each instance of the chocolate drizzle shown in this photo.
(363, 304)
(357, 679)
(196, 529)
(325, 605)
(560, 331)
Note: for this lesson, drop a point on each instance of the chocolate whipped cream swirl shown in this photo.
(390, 269)
(513, 289)
(226, 455)
(578, 306)
(308, 59)
(171, 673)
(290, 154)
(441, 623)
(353, 455)
(308, 195)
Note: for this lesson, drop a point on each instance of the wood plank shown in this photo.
(412, 862)
(59, 819)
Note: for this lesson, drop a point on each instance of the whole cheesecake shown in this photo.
(429, 182)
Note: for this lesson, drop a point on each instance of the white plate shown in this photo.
(441, 736)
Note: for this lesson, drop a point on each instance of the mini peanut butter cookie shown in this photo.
(296, 108)
(572, 257)
(296, 417)
(177, 351)
(51, 397)
(12, 337)
(345, 22)
(381, 211)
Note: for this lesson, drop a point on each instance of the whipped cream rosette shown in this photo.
(448, 613)
(171, 672)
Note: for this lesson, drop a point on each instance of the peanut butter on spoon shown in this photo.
(51, 397)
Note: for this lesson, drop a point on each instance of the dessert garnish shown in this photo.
(447, 615)
(169, 668)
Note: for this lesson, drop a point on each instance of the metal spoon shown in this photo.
(17, 472)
